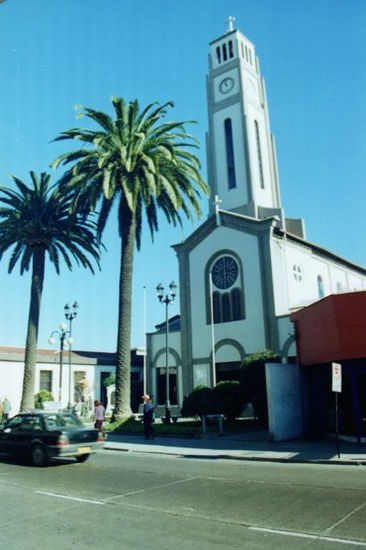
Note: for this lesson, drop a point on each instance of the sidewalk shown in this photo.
(247, 446)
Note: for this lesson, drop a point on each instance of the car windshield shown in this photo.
(56, 421)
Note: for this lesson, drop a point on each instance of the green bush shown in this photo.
(41, 397)
(232, 397)
(201, 401)
(109, 381)
(253, 378)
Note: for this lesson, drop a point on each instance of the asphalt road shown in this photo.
(125, 500)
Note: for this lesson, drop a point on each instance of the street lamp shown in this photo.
(63, 335)
(169, 299)
(70, 314)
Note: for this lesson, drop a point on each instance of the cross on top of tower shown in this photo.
(217, 203)
(230, 22)
(217, 209)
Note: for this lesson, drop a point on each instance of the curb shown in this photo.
(225, 456)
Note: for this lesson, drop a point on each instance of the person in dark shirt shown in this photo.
(148, 417)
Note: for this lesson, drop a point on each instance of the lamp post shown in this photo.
(63, 335)
(70, 314)
(169, 299)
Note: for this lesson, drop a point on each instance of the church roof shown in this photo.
(244, 223)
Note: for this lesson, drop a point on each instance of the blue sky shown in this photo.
(55, 54)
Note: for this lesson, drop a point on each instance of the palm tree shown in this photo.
(34, 221)
(142, 164)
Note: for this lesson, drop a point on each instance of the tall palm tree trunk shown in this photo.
(38, 268)
(123, 366)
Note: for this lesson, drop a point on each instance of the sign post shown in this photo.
(336, 388)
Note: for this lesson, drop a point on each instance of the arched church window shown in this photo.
(218, 54)
(224, 52)
(216, 302)
(226, 313)
(227, 299)
(231, 50)
(259, 154)
(236, 303)
(250, 56)
(320, 287)
(230, 161)
(242, 50)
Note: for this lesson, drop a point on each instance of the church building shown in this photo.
(248, 266)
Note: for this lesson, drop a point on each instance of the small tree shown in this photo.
(201, 401)
(253, 378)
(41, 397)
(232, 396)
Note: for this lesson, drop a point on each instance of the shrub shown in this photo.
(232, 397)
(253, 378)
(201, 401)
(41, 397)
(109, 381)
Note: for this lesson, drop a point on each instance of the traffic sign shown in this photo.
(336, 377)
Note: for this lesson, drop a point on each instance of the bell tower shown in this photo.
(242, 168)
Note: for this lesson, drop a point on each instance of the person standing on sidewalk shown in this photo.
(148, 417)
(6, 409)
(98, 415)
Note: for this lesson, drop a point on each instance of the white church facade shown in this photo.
(247, 267)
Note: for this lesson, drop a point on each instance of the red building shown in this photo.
(334, 330)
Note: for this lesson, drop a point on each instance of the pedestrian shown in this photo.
(98, 415)
(6, 409)
(148, 417)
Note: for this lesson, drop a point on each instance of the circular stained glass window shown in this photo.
(225, 272)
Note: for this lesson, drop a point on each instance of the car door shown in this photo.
(9, 434)
(28, 430)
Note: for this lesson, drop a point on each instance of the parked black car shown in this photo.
(44, 435)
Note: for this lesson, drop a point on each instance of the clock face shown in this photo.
(226, 85)
(225, 272)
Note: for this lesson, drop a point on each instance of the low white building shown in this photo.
(83, 374)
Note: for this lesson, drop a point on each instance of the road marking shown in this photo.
(57, 495)
(152, 488)
(345, 517)
(307, 536)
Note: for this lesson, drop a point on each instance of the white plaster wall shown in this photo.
(11, 381)
(227, 353)
(250, 331)
(336, 277)
(159, 344)
(280, 276)
(254, 111)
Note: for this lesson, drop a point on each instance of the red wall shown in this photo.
(332, 329)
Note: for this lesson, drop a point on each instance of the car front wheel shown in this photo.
(39, 456)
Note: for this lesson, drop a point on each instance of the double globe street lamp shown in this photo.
(65, 335)
(167, 300)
